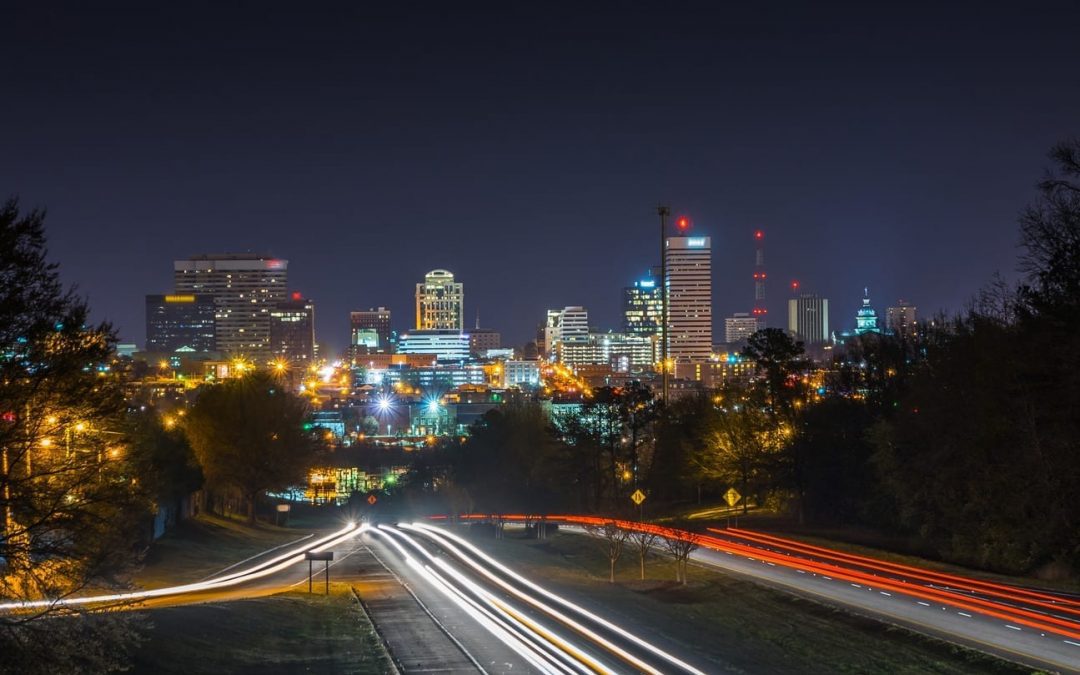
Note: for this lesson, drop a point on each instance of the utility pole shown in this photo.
(663, 212)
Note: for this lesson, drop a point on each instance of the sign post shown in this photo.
(282, 508)
(326, 557)
(639, 498)
(732, 498)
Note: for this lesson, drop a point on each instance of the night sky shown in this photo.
(524, 146)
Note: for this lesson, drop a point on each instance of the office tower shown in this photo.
(688, 261)
(292, 330)
(740, 326)
(866, 320)
(483, 339)
(546, 337)
(900, 320)
(370, 329)
(440, 302)
(180, 323)
(245, 287)
(444, 345)
(642, 309)
(760, 312)
(808, 318)
(569, 325)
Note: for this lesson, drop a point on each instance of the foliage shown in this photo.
(248, 435)
(68, 512)
(680, 549)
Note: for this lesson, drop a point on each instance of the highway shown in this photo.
(1031, 626)
(546, 632)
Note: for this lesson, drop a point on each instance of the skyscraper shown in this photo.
(568, 326)
(371, 329)
(808, 318)
(440, 302)
(689, 286)
(245, 287)
(292, 330)
(901, 320)
(180, 322)
(642, 310)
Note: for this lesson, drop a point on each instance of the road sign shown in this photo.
(283, 508)
(372, 499)
(637, 497)
(319, 555)
(732, 497)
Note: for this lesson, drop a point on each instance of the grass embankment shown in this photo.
(737, 625)
(202, 546)
(287, 633)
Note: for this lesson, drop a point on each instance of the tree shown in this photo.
(781, 360)
(743, 444)
(68, 510)
(680, 545)
(161, 456)
(248, 435)
(644, 542)
(613, 538)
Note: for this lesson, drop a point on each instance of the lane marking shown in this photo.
(1013, 627)
(924, 604)
(963, 614)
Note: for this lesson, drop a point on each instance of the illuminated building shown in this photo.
(180, 322)
(444, 345)
(370, 329)
(621, 352)
(569, 331)
(292, 330)
(866, 320)
(901, 320)
(642, 311)
(740, 326)
(440, 302)
(688, 261)
(245, 288)
(525, 374)
(481, 340)
(808, 318)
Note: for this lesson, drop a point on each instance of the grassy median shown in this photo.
(289, 633)
(737, 625)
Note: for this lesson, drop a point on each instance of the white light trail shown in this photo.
(257, 571)
(536, 634)
(504, 636)
(442, 535)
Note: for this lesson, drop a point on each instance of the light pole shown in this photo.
(663, 212)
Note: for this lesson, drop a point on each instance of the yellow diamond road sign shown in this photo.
(732, 497)
(638, 497)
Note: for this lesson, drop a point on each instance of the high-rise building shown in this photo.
(440, 302)
(760, 312)
(245, 287)
(571, 327)
(292, 330)
(866, 320)
(689, 286)
(642, 308)
(180, 322)
(741, 326)
(370, 329)
(808, 318)
(901, 320)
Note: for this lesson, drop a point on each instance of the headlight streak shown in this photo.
(442, 535)
(258, 571)
(539, 637)
(504, 636)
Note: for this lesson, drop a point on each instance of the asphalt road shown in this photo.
(1031, 632)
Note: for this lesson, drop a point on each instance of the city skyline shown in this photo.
(355, 180)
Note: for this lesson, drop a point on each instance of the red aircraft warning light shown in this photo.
(683, 223)
(759, 235)
(794, 286)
